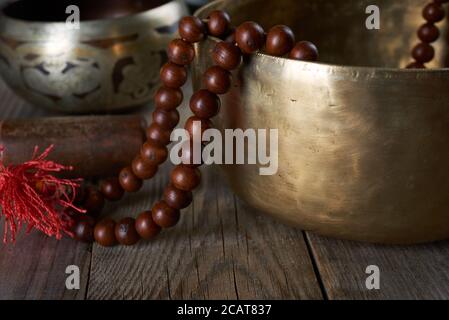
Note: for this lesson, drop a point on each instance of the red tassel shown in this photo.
(30, 194)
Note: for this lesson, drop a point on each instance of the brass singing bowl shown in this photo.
(363, 144)
(110, 63)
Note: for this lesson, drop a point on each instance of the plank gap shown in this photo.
(316, 269)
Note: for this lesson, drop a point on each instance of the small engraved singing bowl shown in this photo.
(110, 63)
(363, 144)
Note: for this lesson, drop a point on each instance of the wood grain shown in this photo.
(406, 272)
(220, 250)
(34, 267)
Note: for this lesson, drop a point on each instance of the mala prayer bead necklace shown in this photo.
(423, 52)
(248, 38)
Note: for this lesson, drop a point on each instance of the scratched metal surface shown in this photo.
(221, 249)
(362, 149)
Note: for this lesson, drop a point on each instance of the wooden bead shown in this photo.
(93, 201)
(104, 233)
(218, 23)
(125, 232)
(142, 169)
(176, 198)
(192, 29)
(84, 229)
(111, 189)
(217, 80)
(227, 55)
(205, 104)
(428, 33)
(129, 181)
(304, 51)
(157, 133)
(153, 153)
(433, 12)
(249, 37)
(423, 52)
(173, 75)
(165, 216)
(196, 126)
(180, 52)
(416, 65)
(280, 40)
(167, 119)
(146, 227)
(168, 98)
(185, 178)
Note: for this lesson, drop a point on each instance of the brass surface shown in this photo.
(363, 144)
(108, 64)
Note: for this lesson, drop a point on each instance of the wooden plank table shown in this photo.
(221, 249)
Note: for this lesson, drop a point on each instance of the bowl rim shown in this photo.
(142, 15)
(367, 71)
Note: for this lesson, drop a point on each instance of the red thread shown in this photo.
(31, 195)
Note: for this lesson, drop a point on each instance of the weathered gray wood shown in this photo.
(34, 267)
(414, 272)
(220, 249)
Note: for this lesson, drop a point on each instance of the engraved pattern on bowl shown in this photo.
(106, 65)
